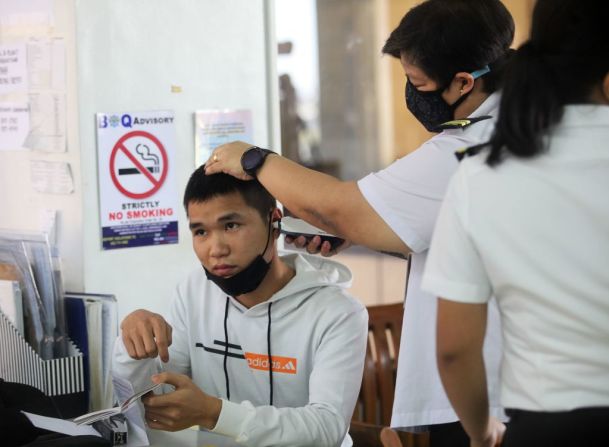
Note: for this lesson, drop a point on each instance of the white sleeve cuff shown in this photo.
(233, 418)
(455, 291)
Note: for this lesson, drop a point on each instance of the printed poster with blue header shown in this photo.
(137, 185)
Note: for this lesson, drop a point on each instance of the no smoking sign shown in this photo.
(138, 164)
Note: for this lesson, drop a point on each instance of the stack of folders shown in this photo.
(92, 321)
(34, 347)
(29, 260)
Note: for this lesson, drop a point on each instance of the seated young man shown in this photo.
(247, 306)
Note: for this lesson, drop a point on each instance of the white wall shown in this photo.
(124, 55)
(130, 53)
(20, 205)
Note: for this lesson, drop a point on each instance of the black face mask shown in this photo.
(248, 279)
(430, 108)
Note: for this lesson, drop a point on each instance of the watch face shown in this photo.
(251, 159)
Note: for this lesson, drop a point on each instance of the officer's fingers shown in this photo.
(326, 249)
(300, 241)
(313, 246)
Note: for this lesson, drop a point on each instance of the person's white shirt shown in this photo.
(535, 233)
(407, 195)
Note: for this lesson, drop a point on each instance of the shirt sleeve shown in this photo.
(138, 372)
(454, 268)
(333, 389)
(407, 194)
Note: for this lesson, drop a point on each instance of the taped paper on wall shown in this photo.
(52, 177)
(46, 64)
(13, 73)
(14, 125)
(47, 122)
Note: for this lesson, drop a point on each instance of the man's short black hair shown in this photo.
(201, 188)
(444, 37)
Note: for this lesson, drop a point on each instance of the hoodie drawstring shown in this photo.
(268, 345)
(226, 349)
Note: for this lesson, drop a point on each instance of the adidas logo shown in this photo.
(287, 365)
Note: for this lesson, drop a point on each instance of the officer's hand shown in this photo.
(182, 408)
(146, 335)
(226, 158)
(493, 436)
(316, 246)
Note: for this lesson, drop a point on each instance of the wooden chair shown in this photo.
(372, 416)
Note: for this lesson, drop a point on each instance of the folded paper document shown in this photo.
(89, 418)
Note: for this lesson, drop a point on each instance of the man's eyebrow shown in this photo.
(224, 218)
(230, 216)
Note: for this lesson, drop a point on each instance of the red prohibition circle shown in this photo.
(156, 183)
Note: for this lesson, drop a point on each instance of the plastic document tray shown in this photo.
(20, 363)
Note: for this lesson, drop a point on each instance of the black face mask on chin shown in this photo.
(248, 279)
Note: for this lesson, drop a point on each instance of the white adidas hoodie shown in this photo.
(318, 335)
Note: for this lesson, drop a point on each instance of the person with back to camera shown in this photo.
(452, 53)
(528, 221)
(264, 349)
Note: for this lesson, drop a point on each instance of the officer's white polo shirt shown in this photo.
(407, 195)
(535, 232)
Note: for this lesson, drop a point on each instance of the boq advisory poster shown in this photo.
(137, 185)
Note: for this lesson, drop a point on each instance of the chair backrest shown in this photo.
(378, 384)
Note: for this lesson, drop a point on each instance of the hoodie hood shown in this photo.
(312, 274)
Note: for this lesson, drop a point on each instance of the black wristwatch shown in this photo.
(253, 158)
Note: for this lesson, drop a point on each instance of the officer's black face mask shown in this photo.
(430, 108)
(248, 279)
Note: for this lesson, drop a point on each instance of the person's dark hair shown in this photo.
(201, 188)
(444, 37)
(566, 57)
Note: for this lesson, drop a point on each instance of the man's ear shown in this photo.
(463, 82)
(276, 216)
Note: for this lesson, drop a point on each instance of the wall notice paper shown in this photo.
(14, 125)
(216, 127)
(138, 200)
(46, 63)
(47, 122)
(30, 13)
(51, 177)
(13, 72)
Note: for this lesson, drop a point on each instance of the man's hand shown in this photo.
(493, 436)
(146, 335)
(315, 246)
(182, 408)
(227, 158)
